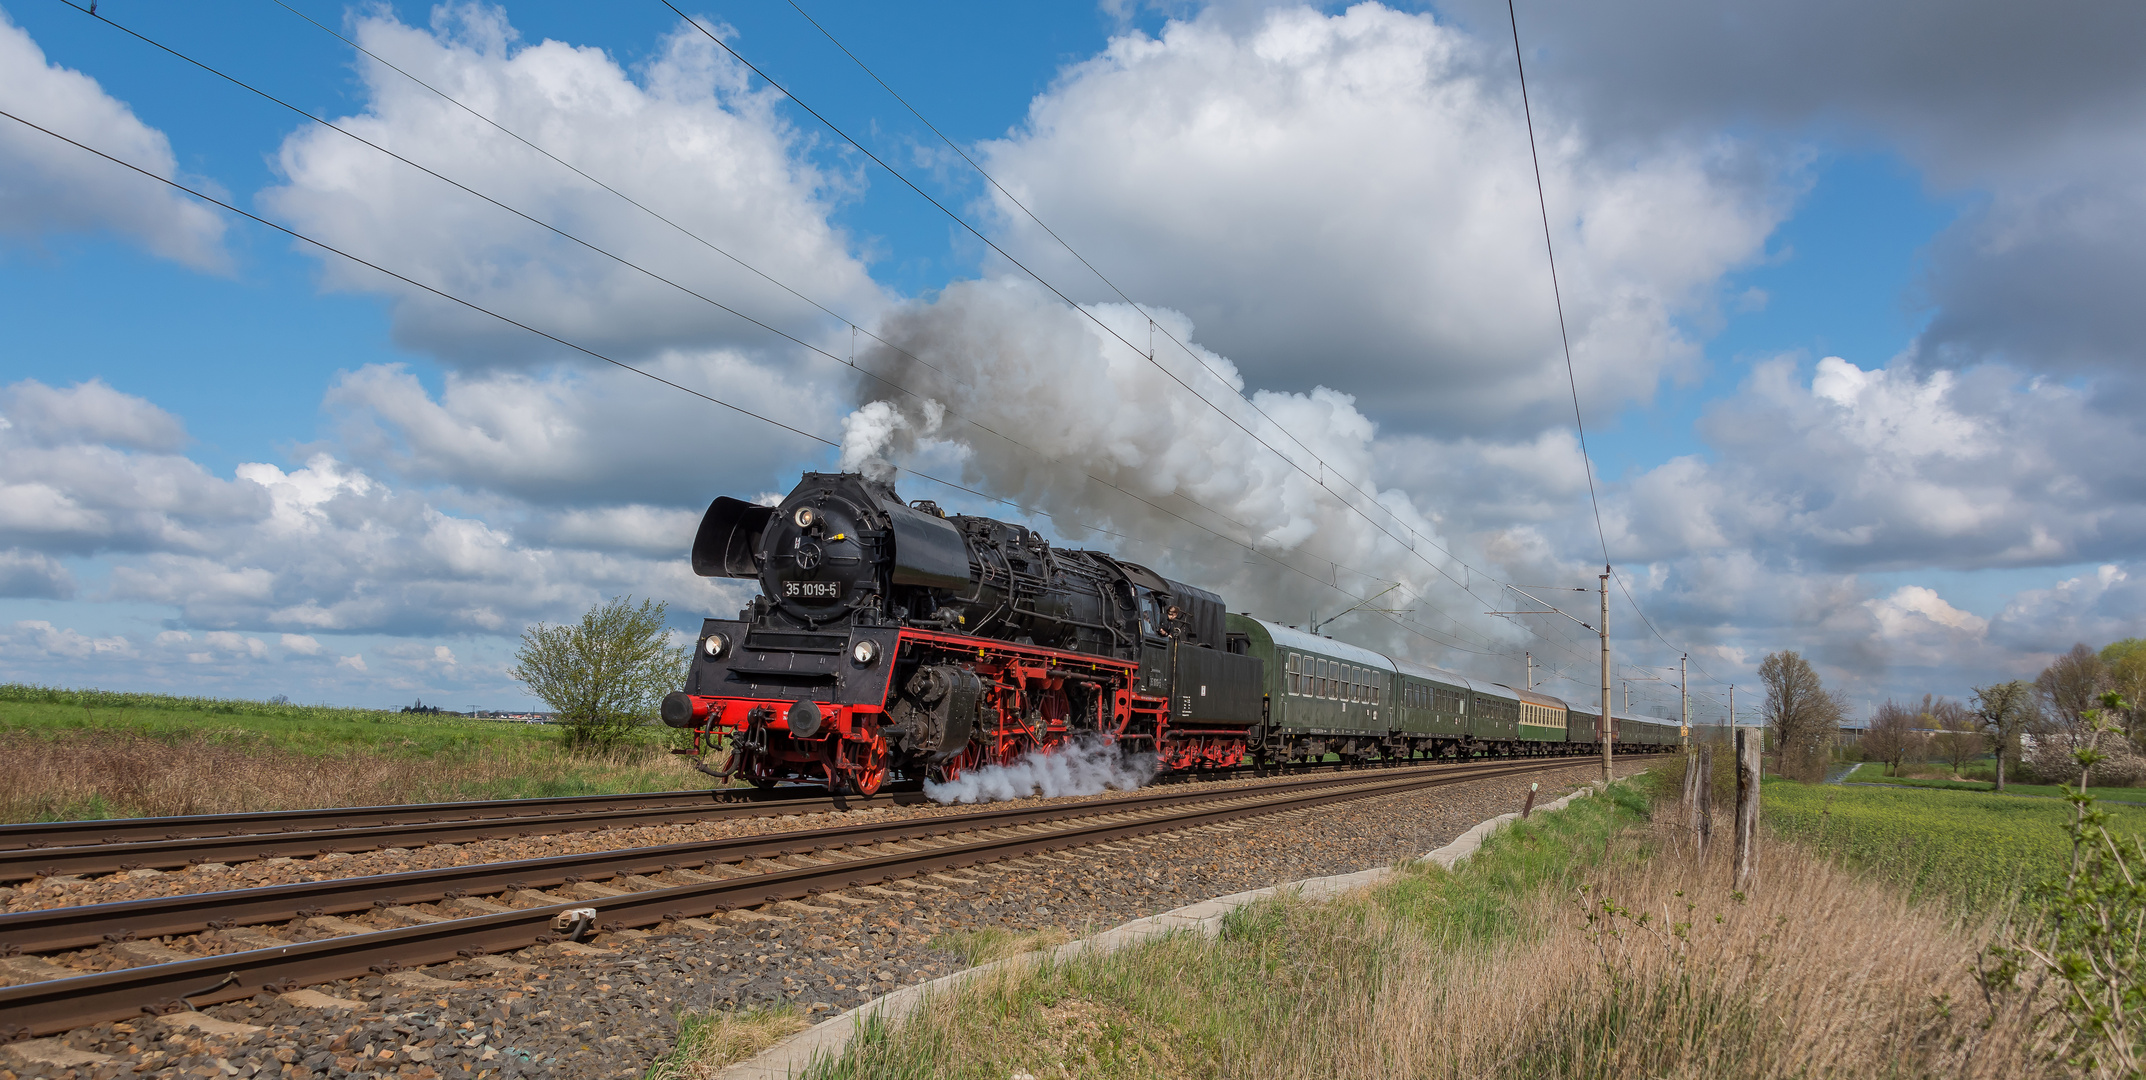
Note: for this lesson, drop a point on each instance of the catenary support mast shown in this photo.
(1609, 726)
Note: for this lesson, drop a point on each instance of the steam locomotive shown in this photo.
(892, 639)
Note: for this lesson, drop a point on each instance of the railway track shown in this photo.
(17, 839)
(664, 884)
(50, 849)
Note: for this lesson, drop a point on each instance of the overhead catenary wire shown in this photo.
(1579, 422)
(478, 308)
(854, 326)
(1403, 624)
(750, 318)
(1317, 478)
(1153, 324)
(1557, 295)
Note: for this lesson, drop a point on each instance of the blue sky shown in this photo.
(1723, 240)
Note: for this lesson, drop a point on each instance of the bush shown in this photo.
(605, 675)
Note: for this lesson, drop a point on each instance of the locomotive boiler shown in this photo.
(889, 638)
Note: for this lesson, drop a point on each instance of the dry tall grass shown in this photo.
(709, 1042)
(1634, 960)
(1654, 968)
(112, 774)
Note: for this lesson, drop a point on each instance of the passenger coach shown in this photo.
(1329, 697)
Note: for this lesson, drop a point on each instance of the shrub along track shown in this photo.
(741, 873)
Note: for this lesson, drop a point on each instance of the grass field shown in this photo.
(1969, 848)
(1871, 772)
(1587, 943)
(69, 754)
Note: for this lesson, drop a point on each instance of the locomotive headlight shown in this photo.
(804, 517)
(713, 646)
(864, 652)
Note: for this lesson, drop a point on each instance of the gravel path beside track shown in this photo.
(610, 1008)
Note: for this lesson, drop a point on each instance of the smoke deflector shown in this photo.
(729, 535)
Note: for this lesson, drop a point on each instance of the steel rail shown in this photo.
(25, 863)
(58, 1005)
(60, 929)
(44, 834)
(384, 827)
(714, 802)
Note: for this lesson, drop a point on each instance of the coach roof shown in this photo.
(1288, 637)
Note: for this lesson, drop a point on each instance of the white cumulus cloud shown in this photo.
(687, 138)
(48, 187)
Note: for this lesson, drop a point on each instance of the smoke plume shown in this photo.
(1085, 767)
(1032, 401)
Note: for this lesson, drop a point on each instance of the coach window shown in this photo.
(1291, 667)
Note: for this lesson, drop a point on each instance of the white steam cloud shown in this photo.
(1085, 767)
(1110, 439)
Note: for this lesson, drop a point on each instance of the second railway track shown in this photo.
(821, 860)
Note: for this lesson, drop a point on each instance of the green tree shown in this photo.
(2004, 710)
(1803, 718)
(606, 675)
(2126, 664)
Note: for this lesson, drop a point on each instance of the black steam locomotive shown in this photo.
(891, 638)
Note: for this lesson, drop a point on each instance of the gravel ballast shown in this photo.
(611, 1007)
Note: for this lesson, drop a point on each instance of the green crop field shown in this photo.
(1871, 772)
(91, 754)
(1970, 848)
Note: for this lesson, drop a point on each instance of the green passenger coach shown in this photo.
(1324, 697)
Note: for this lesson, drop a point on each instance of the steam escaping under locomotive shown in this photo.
(890, 639)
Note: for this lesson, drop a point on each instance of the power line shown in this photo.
(1564, 336)
(1153, 323)
(441, 293)
(628, 263)
(1055, 291)
(1426, 632)
(1542, 201)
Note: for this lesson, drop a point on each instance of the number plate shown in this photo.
(812, 590)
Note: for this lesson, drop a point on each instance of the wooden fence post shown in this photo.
(1747, 806)
(1703, 808)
